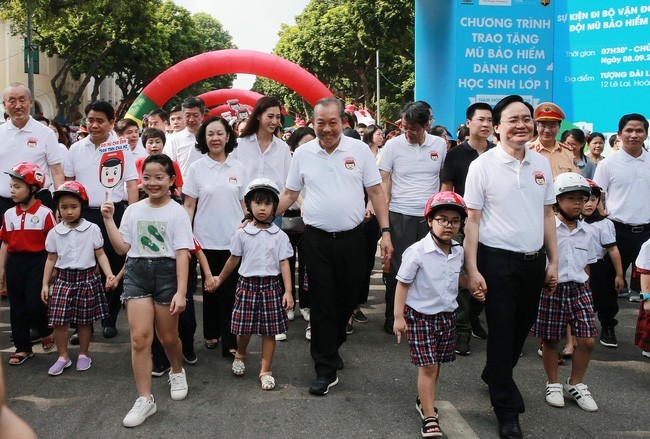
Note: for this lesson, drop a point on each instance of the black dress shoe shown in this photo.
(339, 362)
(510, 430)
(388, 327)
(109, 332)
(321, 385)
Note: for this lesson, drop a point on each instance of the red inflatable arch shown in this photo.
(221, 96)
(224, 62)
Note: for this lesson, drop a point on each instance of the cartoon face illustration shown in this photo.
(111, 169)
(350, 163)
(539, 178)
(434, 156)
(32, 142)
(232, 179)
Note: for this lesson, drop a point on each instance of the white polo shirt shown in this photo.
(101, 171)
(511, 196)
(333, 183)
(626, 181)
(415, 172)
(273, 163)
(643, 260)
(181, 148)
(34, 143)
(139, 151)
(575, 250)
(603, 235)
(218, 189)
(75, 247)
(261, 250)
(432, 275)
(156, 232)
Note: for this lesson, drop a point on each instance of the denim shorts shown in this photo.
(150, 277)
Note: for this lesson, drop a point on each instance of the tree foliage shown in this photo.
(337, 42)
(133, 40)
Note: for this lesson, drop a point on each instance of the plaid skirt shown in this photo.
(642, 335)
(258, 307)
(570, 304)
(432, 338)
(77, 296)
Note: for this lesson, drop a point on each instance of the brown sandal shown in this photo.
(47, 343)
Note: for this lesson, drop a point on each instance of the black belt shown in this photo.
(530, 256)
(341, 234)
(634, 229)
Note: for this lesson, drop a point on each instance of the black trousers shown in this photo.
(116, 261)
(373, 233)
(24, 274)
(629, 244)
(335, 268)
(217, 306)
(298, 289)
(513, 289)
(601, 283)
(186, 322)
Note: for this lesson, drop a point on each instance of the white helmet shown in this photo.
(570, 182)
(262, 184)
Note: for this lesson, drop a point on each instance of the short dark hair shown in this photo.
(417, 112)
(328, 102)
(362, 125)
(194, 102)
(297, 136)
(123, 124)
(629, 118)
(351, 132)
(503, 103)
(202, 145)
(262, 104)
(40, 118)
(612, 140)
(175, 109)
(576, 133)
(165, 162)
(160, 113)
(101, 107)
(595, 134)
(369, 133)
(153, 133)
(471, 110)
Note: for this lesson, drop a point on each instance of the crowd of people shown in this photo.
(509, 217)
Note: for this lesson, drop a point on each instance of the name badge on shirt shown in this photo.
(433, 155)
(539, 178)
(349, 163)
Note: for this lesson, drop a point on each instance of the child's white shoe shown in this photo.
(581, 395)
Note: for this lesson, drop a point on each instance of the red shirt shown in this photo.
(25, 231)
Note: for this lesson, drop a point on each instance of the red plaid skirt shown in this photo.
(642, 336)
(570, 304)
(258, 307)
(77, 296)
(432, 338)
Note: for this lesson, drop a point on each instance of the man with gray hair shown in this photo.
(180, 146)
(333, 170)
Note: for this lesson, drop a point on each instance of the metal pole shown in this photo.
(30, 64)
(378, 113)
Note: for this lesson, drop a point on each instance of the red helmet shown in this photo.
(28, 172)
(447, 200)
(73, 188)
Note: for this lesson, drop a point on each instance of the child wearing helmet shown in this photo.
(571, 303)
(642, 335)
(75, 248)
(22, 259)
(606, 274)
(425, 299)
(262, 299)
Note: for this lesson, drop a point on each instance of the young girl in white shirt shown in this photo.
(260, 304)
(156, 236)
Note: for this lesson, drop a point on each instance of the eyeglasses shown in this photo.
(444, 222)
(514, 121)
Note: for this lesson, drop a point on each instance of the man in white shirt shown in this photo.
(23, 139)
(180, 146)
(509, 231)
(333, 171)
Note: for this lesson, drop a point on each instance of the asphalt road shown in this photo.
(375, 396)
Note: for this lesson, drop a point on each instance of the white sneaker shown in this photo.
(281, 337)
(291, 314)
(142, 409)
(645, 354)
(178, 383)
(581, 394)
(308, 333)
(305, 313)
(554, 396)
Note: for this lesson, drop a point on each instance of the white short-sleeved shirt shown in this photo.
(75, 247)
(34, 143)
(274, 163)
(139, 151)
(643, 260)
(432, 275)
(181, 148)
(218, 189)
(156, 232)
(415, 172)
(575, 251)
(603, 235)
(511, 196)
(261, 250)
(333, 183)
(102, 171)
(626, 181)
